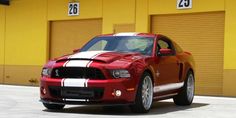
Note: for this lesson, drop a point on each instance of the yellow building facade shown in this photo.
(33, 31)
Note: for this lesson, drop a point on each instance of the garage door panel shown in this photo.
(208, 90)
(202, 34)
(68, 35)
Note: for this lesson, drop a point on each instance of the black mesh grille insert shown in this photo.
(76, 92)
(77, 72)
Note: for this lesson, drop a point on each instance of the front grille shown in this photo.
(77, 72)
(76, 93)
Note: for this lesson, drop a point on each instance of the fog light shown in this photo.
(117, 93)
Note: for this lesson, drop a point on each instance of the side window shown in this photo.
(100, 45)
(164, 43)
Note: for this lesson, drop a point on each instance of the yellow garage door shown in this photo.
(202, 34)
(68, 35)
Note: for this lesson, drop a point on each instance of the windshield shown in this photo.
(143, 45)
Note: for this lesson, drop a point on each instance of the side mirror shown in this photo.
(76, 50)
(164, 51)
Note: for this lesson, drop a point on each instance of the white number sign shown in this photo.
(184, 4)
(73, 9)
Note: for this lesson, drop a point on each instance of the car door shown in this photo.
(167, 66)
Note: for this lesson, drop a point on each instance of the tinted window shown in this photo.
(100, 45)
(165, 43)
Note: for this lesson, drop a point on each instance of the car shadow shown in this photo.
(162, 107)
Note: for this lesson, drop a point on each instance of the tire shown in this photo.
(53, 106)
(144, 96)
(185, 97)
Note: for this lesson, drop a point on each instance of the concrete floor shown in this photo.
(23, 102)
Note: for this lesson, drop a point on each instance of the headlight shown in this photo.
(46, 71)
(120, 73)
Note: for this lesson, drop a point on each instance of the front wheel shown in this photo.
(144, 97)
(185, 97)
(53, 106)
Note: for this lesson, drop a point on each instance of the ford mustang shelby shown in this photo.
(133, 69)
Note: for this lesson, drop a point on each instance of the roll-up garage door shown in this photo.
(202, 34)
(65, 36)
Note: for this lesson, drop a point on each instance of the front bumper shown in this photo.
(94, 92)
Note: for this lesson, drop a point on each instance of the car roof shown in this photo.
(129, 34)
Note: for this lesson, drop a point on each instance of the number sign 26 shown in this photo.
(73, 9)
(184, 4)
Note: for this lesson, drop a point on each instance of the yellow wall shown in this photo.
(32, 16)
(2, 33)
(229, 88)
(2, 40)
(230, 37)
(26, 35)
(57, 9)
(117, 12)
(169, 6)
(26, 32)
(142, 17)
(111, 12)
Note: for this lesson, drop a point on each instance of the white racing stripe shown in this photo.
(77, 63)
(82, 55)
(126, 34)
(87, 54)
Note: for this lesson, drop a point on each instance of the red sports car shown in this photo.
(132, 69)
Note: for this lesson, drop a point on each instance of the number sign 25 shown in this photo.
(73, 9)
(184, 4)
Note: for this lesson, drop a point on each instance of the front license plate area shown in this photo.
(77, 93)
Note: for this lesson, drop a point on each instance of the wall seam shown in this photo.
(135, 15)
(4, 45)
(103, 16)
(47, 35)
(223, 74)
(149, 18)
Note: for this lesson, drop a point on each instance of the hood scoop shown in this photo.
(60, 60)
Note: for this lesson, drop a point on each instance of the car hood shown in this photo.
(103, 56)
